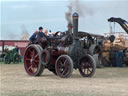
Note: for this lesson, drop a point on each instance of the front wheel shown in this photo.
(87, 66)
(64, 66)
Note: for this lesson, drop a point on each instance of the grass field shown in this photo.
(14, 81)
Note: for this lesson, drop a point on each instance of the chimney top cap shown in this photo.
(75, 15)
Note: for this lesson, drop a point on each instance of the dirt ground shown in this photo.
(14, 81)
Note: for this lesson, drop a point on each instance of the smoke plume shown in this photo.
(69, 14)
(79, 7)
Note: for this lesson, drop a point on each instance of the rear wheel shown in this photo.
(87, 66)
(33, 60)
(64, 66)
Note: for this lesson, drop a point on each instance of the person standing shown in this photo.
(112, 57)
(120, 58)
(17, 49)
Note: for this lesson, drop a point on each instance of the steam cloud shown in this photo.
(79, 7)
(68, 14)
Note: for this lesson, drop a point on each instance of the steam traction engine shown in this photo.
(59, 55)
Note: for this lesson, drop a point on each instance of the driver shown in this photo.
(42, 39)
(40, 34)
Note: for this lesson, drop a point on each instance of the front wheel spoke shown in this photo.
(90, 64)
(67, 66)
(64, 70)
(65, 62)
(89, 70)
(61, 62)
(83, 64)
(60, 65)
(84, 70)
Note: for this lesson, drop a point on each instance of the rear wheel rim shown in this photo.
(31, 60)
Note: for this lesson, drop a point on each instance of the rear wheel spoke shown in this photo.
(29, 68)
(36, 61)
(36, 56)
(27, 59)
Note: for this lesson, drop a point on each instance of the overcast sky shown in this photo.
(18, 16)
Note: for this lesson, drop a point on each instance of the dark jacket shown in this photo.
(41, 35)
(33, 38)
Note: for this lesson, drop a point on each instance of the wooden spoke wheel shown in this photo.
(87, 66)
(64, 66)
(33, 60)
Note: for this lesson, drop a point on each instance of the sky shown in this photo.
(20, 16)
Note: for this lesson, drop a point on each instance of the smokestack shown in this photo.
(75, 17)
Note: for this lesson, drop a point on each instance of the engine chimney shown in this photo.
(75, 17)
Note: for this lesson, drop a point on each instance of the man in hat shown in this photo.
(40, 34)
